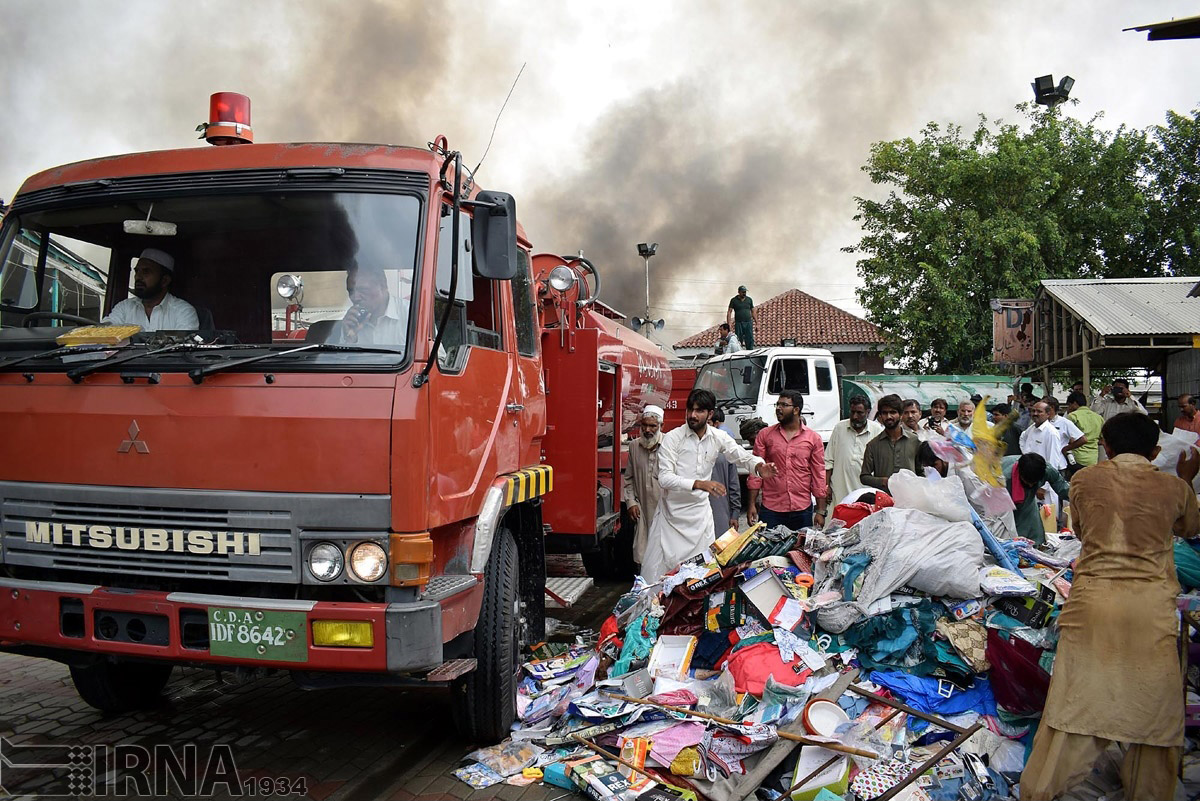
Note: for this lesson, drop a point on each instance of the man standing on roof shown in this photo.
(1116, 673)
(641, 491)
(740, 317)
(1116, 400)
(153, 307)
(683, 525)
(727, 341)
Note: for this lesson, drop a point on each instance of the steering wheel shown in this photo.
(30, 319)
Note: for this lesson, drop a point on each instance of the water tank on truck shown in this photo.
(599, 375)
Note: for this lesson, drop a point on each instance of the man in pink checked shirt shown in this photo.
(799, 458)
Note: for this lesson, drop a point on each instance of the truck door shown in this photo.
(787, 372)
(527, 394)
(825, 405)
(471, 429)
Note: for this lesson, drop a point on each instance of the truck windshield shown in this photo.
(732, 380)
(273, 270)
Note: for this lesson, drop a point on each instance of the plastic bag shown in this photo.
(1018, 680)
(944, 499)
(995, 580)
(1173, 446)
(507, 758)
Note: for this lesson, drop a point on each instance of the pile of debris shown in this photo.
(899, 652)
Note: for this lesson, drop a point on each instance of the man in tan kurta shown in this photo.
(1116, 675)
(641, 491)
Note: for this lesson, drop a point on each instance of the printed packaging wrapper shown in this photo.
(478, 776)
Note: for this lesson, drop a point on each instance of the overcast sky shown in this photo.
(731, 133)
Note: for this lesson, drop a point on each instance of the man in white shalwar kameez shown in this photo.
(640, 487)
(683, 525)
(1047, 441)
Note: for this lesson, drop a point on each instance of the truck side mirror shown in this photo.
(494, 235)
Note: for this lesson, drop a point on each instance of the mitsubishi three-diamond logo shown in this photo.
(133, 441)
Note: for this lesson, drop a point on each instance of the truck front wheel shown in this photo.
(485, 700)
(120, 686)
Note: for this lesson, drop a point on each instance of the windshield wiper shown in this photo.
(76, 374)
(197, 374)
(56, 352)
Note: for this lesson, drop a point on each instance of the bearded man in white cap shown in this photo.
(153, 307)
(641, 490)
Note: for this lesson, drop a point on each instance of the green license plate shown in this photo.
(258, 634)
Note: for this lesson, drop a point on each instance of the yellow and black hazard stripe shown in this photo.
(528, 483)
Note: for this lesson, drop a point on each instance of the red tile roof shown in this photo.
(798, 315)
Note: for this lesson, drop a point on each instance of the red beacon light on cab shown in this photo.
(228, 120)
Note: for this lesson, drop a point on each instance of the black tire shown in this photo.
(484, 702)
(613, 559)
(121, 686)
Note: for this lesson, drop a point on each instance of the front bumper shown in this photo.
(408, 637)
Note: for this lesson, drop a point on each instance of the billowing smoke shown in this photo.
(736, 144)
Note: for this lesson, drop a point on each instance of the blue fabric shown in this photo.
(896, 645)
(640, 636)
(852, 566)
(922, 693)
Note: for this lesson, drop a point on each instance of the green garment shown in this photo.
(882, 458)
(1090, 424)
(741, 309)
(1027, 516)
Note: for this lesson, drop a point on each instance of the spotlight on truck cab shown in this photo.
(290, 287)
(562, 278)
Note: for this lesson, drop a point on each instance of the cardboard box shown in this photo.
(672, 656)
(776, 596)
(835, 778)
(1033, 612)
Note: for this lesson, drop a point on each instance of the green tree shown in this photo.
(972, 217)
(1173, 236)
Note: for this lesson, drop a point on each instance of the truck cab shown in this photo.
(747, 384)
(339, 466)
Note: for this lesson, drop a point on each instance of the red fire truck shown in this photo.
(271, 486)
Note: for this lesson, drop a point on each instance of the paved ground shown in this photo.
(347, 744)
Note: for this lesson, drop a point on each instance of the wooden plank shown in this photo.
(737, 788)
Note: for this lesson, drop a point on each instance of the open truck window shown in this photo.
(230, 252)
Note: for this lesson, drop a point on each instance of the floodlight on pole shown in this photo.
(646, 250)
(1045, 93)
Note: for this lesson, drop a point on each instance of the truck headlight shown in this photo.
(325, 561)
(368, 561)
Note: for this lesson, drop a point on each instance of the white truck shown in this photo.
(747, 384)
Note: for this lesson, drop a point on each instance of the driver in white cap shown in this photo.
(153, 307)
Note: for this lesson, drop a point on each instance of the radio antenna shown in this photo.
(497, 122)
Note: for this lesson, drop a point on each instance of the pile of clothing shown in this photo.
(701, 682)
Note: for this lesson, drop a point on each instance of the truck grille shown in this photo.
(277, 559)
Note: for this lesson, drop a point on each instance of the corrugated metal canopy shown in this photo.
(1185, 28)
(1131, 306)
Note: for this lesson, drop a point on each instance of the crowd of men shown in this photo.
(1045, 442)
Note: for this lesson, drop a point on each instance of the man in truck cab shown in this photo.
(367, 321)
(153, 307)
